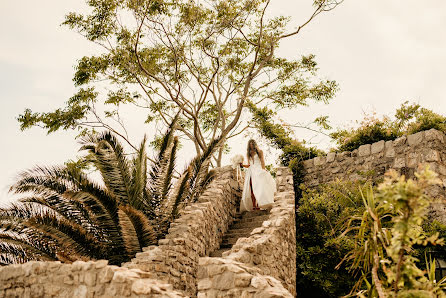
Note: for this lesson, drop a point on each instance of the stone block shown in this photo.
(343, 155)
(331, 156)
(413, 159)
(433, 134)
(320, 160)
(243, 280)
(224, 281)
(204, 284)
(431, 155)
(101, 264)
(415, 139)
(400, 162)
(400, 141)
(105, 275)
(308, 163)
(364, 150)
(378, 147)
(389, 149)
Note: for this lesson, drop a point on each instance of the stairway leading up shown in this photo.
(242, 226)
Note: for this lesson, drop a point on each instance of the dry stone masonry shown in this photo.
(197, 232)
(263, 264)
(404, 154)
(81, 280)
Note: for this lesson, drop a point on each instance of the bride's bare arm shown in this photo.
(262, 161)
(245, 166)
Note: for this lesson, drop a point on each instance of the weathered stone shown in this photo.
(105, 275)
(224, 281)
(318, 161)
(377, 147)
(433, 135)
(364, 150)
(259, 282)
(243, 280)
(415, 139)
(400, 141)
(400, 162)
(204, 284)
(331, 156)
(80, 291)
(308, 163)
(389, 149)
(431, 155)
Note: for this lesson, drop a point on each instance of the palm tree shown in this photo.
(65, 215)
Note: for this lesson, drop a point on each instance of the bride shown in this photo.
(259, 186)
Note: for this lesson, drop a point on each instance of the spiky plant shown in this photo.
(65, 215)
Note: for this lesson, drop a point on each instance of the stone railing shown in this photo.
(196, 233)
(262, 265)
(167, 270)
(79, 279)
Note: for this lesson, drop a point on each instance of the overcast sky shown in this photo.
(381, 52)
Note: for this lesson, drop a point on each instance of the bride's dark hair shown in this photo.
(250, 152)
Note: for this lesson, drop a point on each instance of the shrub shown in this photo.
(408, 119)
(385, 236)
(320, 219)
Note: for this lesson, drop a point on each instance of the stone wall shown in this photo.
(262, 265)
(167, 270)
(196, 233)
(404, 154)
(79, 279)
(371, 161)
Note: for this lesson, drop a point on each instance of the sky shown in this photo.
(381, 53)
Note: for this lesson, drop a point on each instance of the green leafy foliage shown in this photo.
(409, 119)
(385, 236)
(320, 220)
(205, 58)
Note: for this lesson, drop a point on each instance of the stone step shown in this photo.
(236, 235)
(240, 230)
(243, 225)
(225, 245)
(258, 219)
(231, 241)
(249, 214)
(218, 252)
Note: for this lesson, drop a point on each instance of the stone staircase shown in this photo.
(242, 226)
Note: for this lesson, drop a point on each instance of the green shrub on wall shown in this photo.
(408, 119)
(320, 219)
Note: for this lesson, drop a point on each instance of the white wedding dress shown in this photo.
(263, 185)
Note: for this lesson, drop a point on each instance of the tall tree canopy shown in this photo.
(208, 59)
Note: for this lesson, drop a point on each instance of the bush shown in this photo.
(320, 219)
(408, 119)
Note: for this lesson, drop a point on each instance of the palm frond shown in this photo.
(139, 176)
(143, 228)
(199, 171)
(160, 177)
(110, 160)
(180, 193)
(22, 250)
(129, 234)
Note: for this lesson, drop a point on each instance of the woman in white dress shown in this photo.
(259, 186)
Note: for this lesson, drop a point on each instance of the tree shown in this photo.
(65, 215)
(206, 58)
